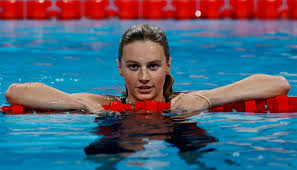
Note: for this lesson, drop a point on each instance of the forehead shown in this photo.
(143, 51)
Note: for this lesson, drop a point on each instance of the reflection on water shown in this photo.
(130, 133)
(74, 55)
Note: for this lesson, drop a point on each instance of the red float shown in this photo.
(283, 104)
(140, 105)
(6, 109)
(271, 105)
(153, 9)
(239, 106)
(185, 9)
(14, 109)
(151, 105)
(268, 9)
(216, 109)
(117, 106)
(52, 13)
(211, 9)
(128, 9)
(17, 109)
(0, 9)
(95, 9)
(226, 13)
(284, 14)
(278, 104)
(292, 9)
(260, 106)
(250, 106)
(168, 14)
(228, 107)
(111, 13)
(12, 9)
(242, 9)
(292, 104)
(155, 106)
(37, 9)
(69, 9)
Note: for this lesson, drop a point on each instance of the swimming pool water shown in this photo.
(79, 56)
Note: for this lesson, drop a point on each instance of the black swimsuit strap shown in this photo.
(167, 99)
(123, 100)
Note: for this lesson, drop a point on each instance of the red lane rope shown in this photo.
(14, 109)
(115, 106)
(156, 106)
(148, 9)
(278, 104)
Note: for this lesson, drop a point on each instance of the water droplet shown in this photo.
(236, 154)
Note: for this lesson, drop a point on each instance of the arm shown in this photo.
(258, 86)
(41, 96)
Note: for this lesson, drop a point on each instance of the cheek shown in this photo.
(159, 78)
(130, 78)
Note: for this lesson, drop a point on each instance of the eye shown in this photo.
(153, 66)
(133, 67)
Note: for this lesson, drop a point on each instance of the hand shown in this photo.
(91, 106)
(189, 103)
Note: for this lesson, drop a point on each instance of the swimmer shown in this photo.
(144, 62)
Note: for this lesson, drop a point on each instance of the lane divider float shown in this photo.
(148, 9)
(278, 104)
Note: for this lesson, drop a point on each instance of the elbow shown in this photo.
(284, 85)
(280, 84)
(15, 92)
(10, 93)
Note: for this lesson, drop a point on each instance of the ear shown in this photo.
(119, 67)
(169, 65)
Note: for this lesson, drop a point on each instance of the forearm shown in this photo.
(254, 87)
(41, 96)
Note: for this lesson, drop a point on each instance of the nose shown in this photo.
(144, 76)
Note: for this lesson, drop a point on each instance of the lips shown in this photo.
(144, 89)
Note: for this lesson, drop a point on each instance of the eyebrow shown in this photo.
(154, 61)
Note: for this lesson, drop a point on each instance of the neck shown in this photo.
(130, 100)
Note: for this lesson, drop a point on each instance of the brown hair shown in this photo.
(153, 33)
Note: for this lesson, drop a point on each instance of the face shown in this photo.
(144, 69)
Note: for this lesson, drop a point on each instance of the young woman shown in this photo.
(144, 62)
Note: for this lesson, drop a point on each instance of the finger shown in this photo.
(172, 105)
(95, 108)
(175, 99)
(177, 105)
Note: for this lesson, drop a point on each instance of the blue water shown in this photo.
(79, 56)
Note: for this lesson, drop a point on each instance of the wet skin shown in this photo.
(144, 68)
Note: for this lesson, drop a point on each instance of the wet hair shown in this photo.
(144, 32)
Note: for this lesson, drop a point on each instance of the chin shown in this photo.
(142, 97)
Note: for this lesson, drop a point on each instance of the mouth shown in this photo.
(144, 89)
